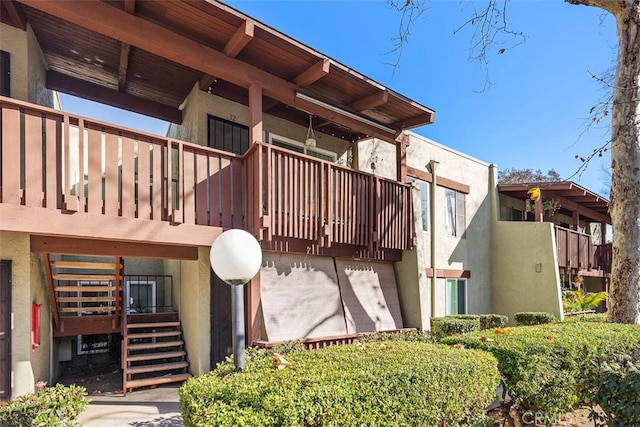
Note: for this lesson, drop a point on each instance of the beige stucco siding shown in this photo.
(195, 297)
(377, 157)
(472, 251)
(526, 275)
(199, 104)
(27, 365)
(28, 67)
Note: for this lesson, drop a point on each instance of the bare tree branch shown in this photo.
(410, 11)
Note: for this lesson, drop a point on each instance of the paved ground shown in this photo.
(158, 407)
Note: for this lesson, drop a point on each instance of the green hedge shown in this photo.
(490, 321)
(543, 366)
(464, 323)
(48, 406)
(377, 383)
(616, 388)
(529, 318)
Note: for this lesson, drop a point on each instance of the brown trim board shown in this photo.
(442, 181)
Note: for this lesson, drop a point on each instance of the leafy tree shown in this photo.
(489, 23)
(519, 176)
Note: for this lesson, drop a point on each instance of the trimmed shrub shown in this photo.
(378, 383)
(529, 318)
(544, 365)
(414, 336)
(444, 326)
(47, 406)
(591, 317)
(616, 386)
(490, 321)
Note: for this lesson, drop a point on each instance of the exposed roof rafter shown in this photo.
(15, 14)
(129, 7)
(415, 121)
(371, 101)
(112, 22)
(313, 73)
(102, 94)
(242, 37)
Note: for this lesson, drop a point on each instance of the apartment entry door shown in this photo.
(5, 330)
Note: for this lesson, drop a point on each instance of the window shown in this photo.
(516, 214)
(424, 201)
(227, 136)
(5, 73)
(456, 298)
(454, 220)
(293, 145)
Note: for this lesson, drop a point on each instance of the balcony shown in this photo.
(72, 176)
(576, 251)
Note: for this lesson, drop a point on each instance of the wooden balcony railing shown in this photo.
(577, 251)
(61, 161)
(64, 162)
(294, 196)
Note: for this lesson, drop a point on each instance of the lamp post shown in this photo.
(235, 258)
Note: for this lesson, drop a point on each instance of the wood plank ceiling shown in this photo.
(90, 56)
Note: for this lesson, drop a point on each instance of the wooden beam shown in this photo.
(255, 113)
(401, 156)
(240, 39)
(129, 7)
(313, 73)
(93, 92)
(124, 65)
(449, 273)
(50, 222)
(109, 21)
(16, 16)
(61, 245)
(205, 82)
(371, 101)
(271, 103)
(415, 121)
(86, 325)
(582, 210)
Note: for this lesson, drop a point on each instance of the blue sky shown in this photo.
(534, 114)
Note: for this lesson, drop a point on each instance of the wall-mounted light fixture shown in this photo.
(343, 112)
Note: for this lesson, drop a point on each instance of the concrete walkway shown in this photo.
(158, 407)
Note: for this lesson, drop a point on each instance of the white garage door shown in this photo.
(370, 296)
(300, 297)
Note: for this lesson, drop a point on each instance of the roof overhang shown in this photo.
(147, 56)
(569, 195)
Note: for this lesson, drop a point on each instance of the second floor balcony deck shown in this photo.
(577, 252)
(70, 176)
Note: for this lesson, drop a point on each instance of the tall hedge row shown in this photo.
(376, 383)
(548, 366)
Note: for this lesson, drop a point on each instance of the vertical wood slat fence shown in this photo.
(55, 160)
(295, 196)
(577, 251)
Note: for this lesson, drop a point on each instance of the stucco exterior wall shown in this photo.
(377, 157)
(37, 83)
(14, 41)
(414, 288)
(27, 366)
(194, 309)
(28, 67)
(525, 269)
(199, 104)
(472, 251)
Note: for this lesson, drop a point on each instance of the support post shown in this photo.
(237, 325)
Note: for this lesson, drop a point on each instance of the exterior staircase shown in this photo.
(85, 293)
(152, 351)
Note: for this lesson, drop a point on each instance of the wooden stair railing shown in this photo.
(153, 353)
(81, 286)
